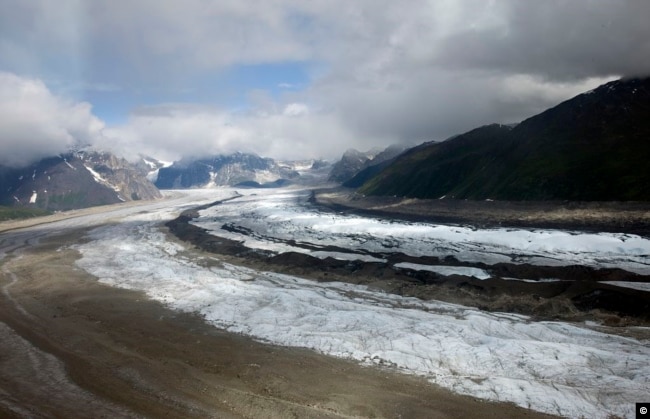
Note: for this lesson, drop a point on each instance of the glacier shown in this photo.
(554, 367)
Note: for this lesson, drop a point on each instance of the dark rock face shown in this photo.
(119, 174)
(626, 301)
(353, 162)
(594, 147)
(350, 164)
(220, 171)
(74, 180)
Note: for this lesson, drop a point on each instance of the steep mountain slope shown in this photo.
(366, 174)
(120, 175)
(74, 180)
(150, 166)
(222, 170)
(353, 162)
(312, 172)
(593, 147)
(431, 170)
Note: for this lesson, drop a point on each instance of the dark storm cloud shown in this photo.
(560, 40)
(448, 67)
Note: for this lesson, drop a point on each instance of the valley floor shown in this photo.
(74, 347)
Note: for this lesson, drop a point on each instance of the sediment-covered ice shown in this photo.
(547, 366)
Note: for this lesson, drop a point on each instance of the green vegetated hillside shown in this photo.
(594, 147)
(12, 213)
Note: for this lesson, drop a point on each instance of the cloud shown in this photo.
(175, 131)
(34, 123)
(436, 69)
(152, 41)
(296, 109)
(556, 39)
(422, 109)
(382, 71)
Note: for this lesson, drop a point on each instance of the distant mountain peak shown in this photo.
(354, 161)
(74, 180)
(222, 170)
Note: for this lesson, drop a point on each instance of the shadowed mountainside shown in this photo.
(594, 147)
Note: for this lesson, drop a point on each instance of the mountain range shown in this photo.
(74, 180)
(223, 170)
(593, 147)
(81, 179)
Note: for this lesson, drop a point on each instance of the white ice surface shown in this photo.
(281, 214)
(535, 280)
(641, 286)
(446, 270)
(265, 176)
(342, 256)
(153, 175)
(547, 366)
(149, 163)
